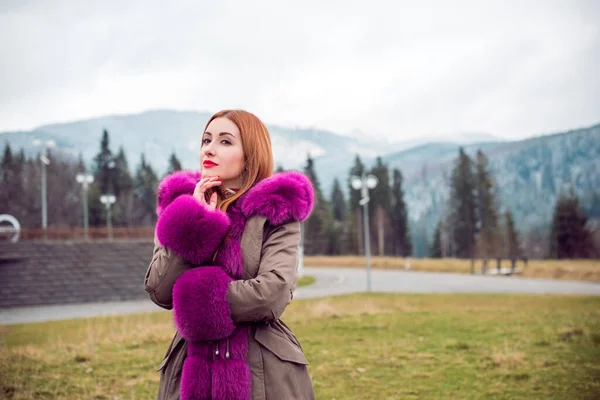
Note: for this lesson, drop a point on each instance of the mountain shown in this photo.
(530, 173)
(160, 132)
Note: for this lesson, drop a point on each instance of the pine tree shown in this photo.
(380, 207)
(174, 164)
(338, 208)
(6, 164)
(355, 209)
(462, 206)
(488, 237)
(513, 246)
(279, 169)
(350, 234)
(338, 203)
(12, 168)
(317, 227)
(358, 169)
(123, 184)
(436, 247)
(402, 244)
(104, 166)
(145, 184)
(569, 237)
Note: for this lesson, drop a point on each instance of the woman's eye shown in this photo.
(206, 141)
(225, 141)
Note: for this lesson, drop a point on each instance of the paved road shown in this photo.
(332, 281)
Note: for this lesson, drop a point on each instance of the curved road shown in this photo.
(349, 280)
(332, 281)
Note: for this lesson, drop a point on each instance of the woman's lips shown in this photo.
(209, 164)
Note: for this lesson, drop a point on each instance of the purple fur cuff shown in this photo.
(191, 230)
(174, 185)
(200, 306)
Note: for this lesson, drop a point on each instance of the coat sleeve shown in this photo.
(164, 269)
(265, 297)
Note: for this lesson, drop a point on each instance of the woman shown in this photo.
(225, 260)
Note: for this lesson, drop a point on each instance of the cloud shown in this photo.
(397, 69)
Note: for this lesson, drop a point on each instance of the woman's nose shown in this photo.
(208, 149)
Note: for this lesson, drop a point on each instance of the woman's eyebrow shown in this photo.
(221, 134)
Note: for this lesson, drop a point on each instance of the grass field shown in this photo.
(372, 346)
(581, 270)
(306, 281)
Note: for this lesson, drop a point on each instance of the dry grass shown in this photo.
(580, 270)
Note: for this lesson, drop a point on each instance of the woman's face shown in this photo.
(222, 153)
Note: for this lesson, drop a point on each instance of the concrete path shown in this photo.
(332, 281)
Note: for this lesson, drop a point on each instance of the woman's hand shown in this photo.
(202, 187)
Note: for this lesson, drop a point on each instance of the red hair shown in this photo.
(258, 154)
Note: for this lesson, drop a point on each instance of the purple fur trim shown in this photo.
(229, 258)
(196, 382)
(231, 380)
(284, 197)
(174, 185)
(200, 307)
(191, 230)
(238, 346)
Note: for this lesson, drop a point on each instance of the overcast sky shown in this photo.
(397, 69)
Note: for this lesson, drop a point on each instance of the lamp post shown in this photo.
(364, 183)
(108, 200)
(85, 180)
(45, 145)
(301, 252)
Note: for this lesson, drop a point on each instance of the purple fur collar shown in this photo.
(281, 198)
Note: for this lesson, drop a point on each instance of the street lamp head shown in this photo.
(356, 183)
(81, 178)
(107, 199)
(372, 181)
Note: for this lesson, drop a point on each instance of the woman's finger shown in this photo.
(209, 185)
(213, 202)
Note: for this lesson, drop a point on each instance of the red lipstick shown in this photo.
(209, 164)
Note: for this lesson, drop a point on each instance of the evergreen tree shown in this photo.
(462, 206)
(104, 166)
(358, 169)
(402, 244)
(174, 164)
(123, 184)
(350, 235)
(317, 226)
(488, 238)
(336, 228)
(279, 169)
(12, 169)
(513, 246)
(569, 237)
(436, 247)
(380, 207)
(338, 203)
(145, 184)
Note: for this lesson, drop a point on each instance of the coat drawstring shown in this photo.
(215, 354)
